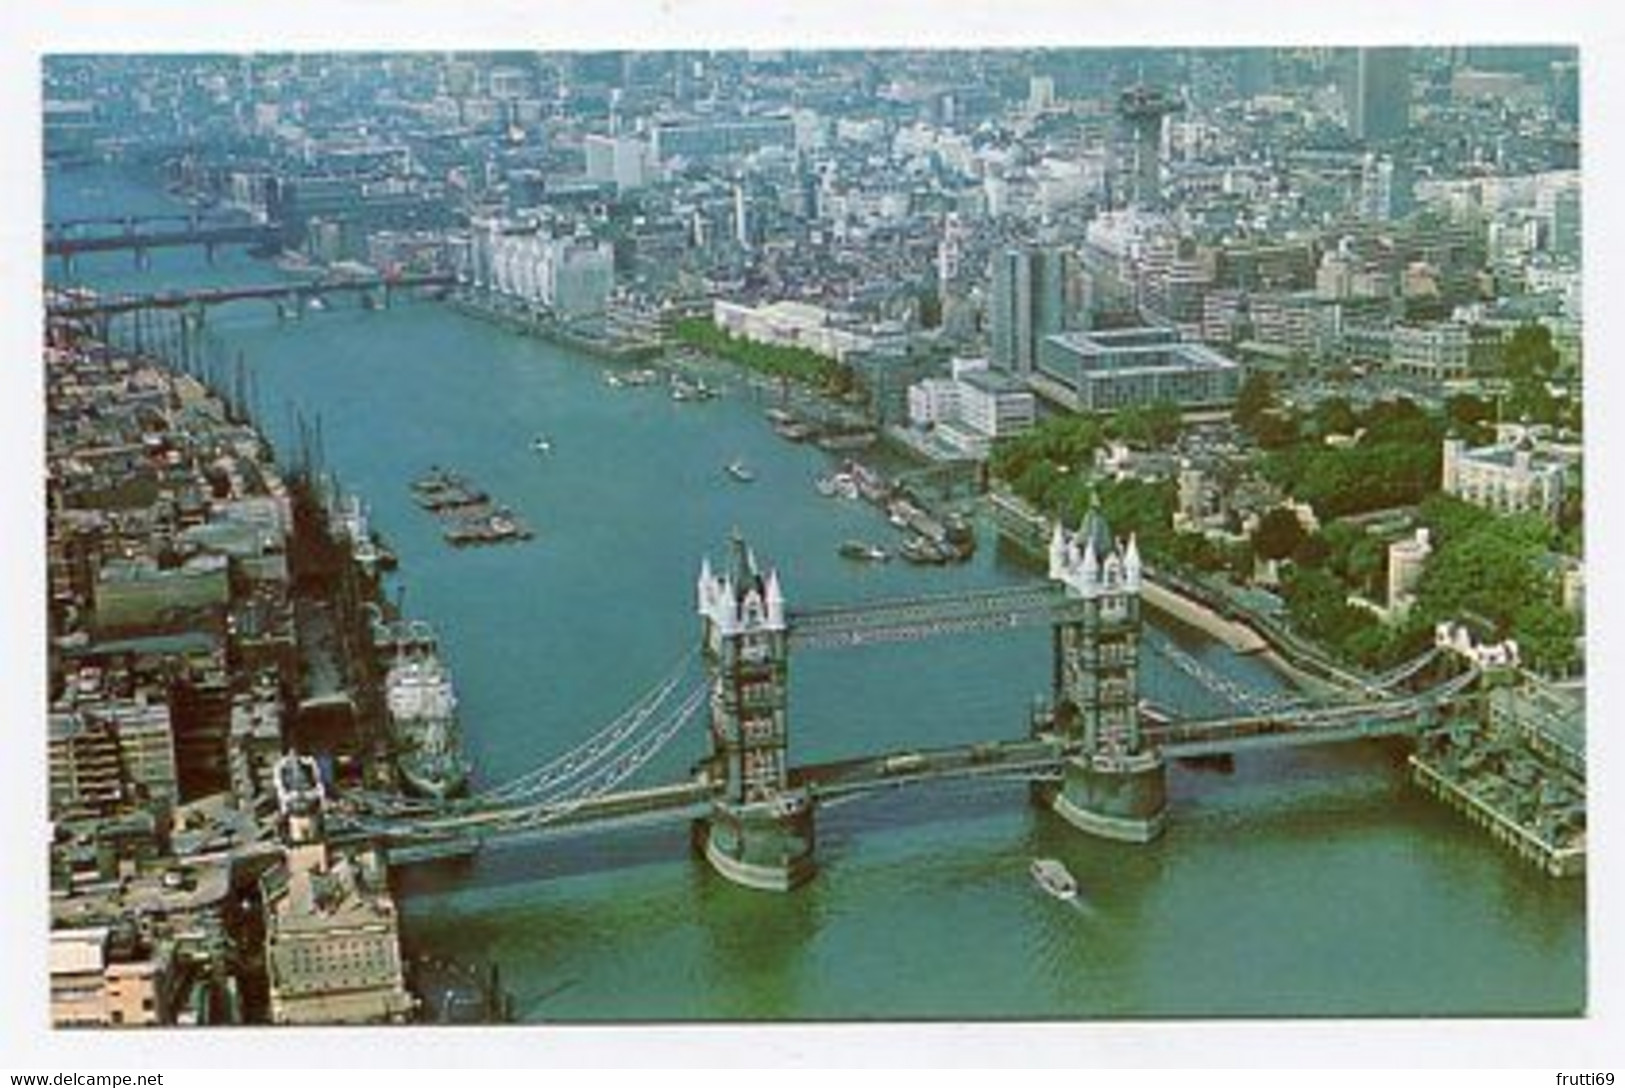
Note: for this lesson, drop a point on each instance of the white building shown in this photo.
(973, 407)
(1406, 560)
(573, 277)
(789, 324)
(1440, 351)
(1509, 478)
(94, 985)
(626, 161)
(332, 941)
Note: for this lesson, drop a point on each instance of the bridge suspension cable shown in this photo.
(600, 746)
(1404, 671)
(510, 818)
(1245, 698)
(579, 762)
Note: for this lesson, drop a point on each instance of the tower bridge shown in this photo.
(1096, 758)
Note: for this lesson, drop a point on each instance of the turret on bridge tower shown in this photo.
(1114, 785)
(759, 833)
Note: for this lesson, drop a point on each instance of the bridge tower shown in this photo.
(1113, 784)
(759, 833)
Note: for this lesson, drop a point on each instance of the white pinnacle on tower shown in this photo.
(741, 601)
(1090, 562)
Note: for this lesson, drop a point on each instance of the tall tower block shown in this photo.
(1142, 109)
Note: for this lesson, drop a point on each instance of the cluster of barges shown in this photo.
(467, 512)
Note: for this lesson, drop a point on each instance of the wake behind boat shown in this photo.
(1054, 878)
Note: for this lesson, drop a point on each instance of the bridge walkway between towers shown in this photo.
(911, 618)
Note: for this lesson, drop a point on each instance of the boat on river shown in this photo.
(740, 471)
(422, 706)
(863, 550)
(1054, 878)
(917, 549)
(440, 490)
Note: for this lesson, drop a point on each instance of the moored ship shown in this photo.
(422, 706)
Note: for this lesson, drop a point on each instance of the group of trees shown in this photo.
(779, 360)
(1318, 605)
(1391, 459)
(1493, 568)
(1530, 364)
(1497, 569)
(1050, 465)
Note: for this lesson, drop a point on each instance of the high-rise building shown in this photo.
(741, 216)
(1040, 93)
(950, 251)
(1377, 188)
(1255, 72)
(1380, 93)
(1028, 304)
(332, 933)
(623, 160)
(708, 139)
(1565, 91)
(1565, 235)
(1144, 111)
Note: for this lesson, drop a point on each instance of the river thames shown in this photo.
(1314, 882)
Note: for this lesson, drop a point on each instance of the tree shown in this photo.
(1142, 508)
(1529, 354)
(1274, 430)
(1279, 534)
(1469, 417)
(1312, 551)
(1165, 421)
(1367, 565)
(1529, 363)
(1449, 518)
(1489, 573)
(930, 309)
(1335, 415)
(1401, 420)
(1545, 635)
(1255, 397)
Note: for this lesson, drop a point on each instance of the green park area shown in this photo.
(1377, 480)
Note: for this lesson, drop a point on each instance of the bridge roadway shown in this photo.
(193, 217)
(241, 233)
(1029, 759)
(428, 838)
(174, 300)
(1025, 758)
(1318, 725)
(911, 618)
